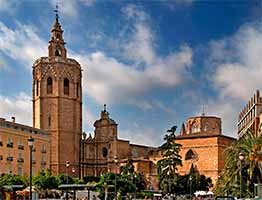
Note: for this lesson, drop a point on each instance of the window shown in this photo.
(190, 155)
(57, 52)
(104, 152)
(195, 128)
(20, 170)
(49, 120)
(37, 88)
(77, 89)
(49, 85)
(57, 36)
(20, 144)
(9, 143)
(66, 86)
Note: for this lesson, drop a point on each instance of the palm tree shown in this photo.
(251, 172)
(167, 167)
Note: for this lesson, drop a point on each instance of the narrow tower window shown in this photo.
(77, 89)
(66, 86)
(49, 85)
(37, 88)
(49, 120)
(57, 36)
(57, 53)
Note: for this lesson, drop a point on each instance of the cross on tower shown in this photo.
(104, 107)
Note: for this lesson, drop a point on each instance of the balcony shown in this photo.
(9, 145)
(20, 160)
(9, 158)
(43, 150)
(20, 147)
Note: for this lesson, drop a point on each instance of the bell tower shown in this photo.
(57, 102)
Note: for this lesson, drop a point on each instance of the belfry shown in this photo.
(57, 102)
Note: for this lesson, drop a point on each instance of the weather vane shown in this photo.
(56, 12)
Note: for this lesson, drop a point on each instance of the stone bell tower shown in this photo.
(57, 102)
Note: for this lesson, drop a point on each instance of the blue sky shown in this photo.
(154, 63)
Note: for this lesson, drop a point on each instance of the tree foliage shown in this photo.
(167, 167)
(45, 180)
(249, 146)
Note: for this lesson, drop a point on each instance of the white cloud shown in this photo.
(19, 106)
(22, 44)
(143, 136)
(237, 65)
(110, 81)
(140, 47)
(238, 62)
(131, 11)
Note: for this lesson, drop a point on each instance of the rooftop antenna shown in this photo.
(56, 12)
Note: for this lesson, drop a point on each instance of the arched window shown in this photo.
(77, 90)
(49, 88)
(66, 86)
(104, 152)
(58, 36)
(190, 155)
(57, 53)
(49, 120)
(37, 88)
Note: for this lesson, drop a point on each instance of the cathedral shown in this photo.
(57, 125)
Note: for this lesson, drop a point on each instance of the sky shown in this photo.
(155, 63)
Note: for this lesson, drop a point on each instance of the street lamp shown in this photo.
(73, 170)
(115, 161)
(30, 144)
(135, 176)
(241, 157)
(190, 185)
(67, 166)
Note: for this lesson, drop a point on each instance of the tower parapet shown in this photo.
(202, 125)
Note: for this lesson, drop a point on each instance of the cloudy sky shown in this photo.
(153, 62)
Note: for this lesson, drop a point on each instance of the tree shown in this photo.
(8, 179)
(44, 180)
(167, 167)
(106, 186)
(192, 182)
(249, 146)
(134, 182)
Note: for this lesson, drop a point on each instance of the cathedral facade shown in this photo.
(105, 152)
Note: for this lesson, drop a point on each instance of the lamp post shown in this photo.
(190, 185)
(135, 176)
(115, 161)
(67, 166)
(241, 157)
(30, 144)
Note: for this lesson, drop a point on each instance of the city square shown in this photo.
(130, 99)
